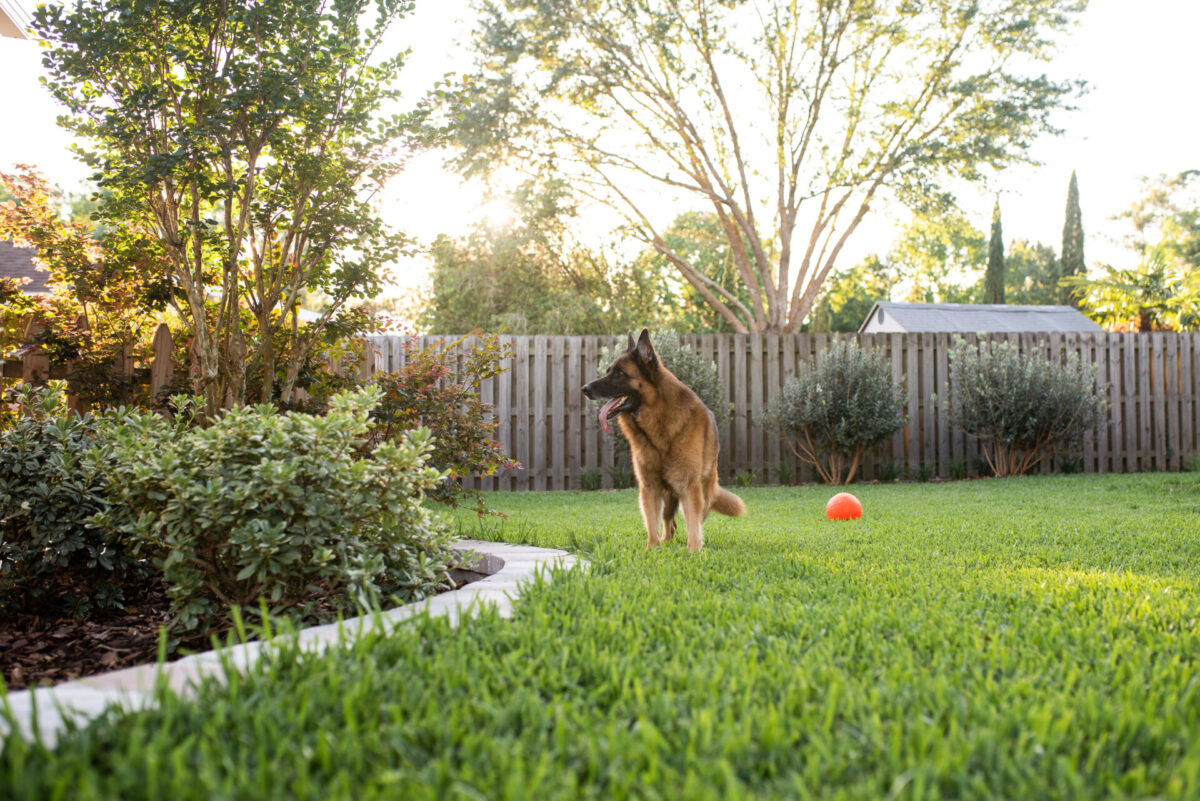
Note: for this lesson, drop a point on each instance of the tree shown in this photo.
(533, 277)
(849, 297)
(788, 120)
(938, 258)
(1031, 274)
(244, 138)
(699, 238)
(993, 277)
(1162, 290)
(1072, 244)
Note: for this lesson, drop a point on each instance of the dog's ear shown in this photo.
(645, 351)
(630, 346)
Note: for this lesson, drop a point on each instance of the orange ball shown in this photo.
(843, 506)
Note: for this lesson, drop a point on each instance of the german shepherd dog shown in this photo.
(673, 437)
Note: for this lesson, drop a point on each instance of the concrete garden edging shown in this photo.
(506, 566)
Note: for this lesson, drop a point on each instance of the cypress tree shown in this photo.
(993, 279)
(1072, 245)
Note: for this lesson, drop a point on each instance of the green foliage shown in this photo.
(838, 410)
(833, 413)
(1023, 409)
(785, 474)
(924, 474)
(848, 297)
(965, 640)
(245, 141)
(804, 111)
(438, 389)
(533, 277)
(590, 479)
(1031, 274)
(745, 478)
(1154, 295)
(994, 277)
(621, 475)
(699, 239)
(277, 507)
(1072, 263)
(888, 472)
(51, 483)
(1162, 291)
(939, 257)
(958, 470)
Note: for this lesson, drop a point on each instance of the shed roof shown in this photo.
(966, 318)
(17, 262)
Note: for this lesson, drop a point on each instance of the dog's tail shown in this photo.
(727, 503)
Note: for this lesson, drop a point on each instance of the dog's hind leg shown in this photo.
(670, 507)
(652, 508)
(693, 516)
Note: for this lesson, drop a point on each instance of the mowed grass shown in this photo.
(1024, 638)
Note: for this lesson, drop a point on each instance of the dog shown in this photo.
(673, 437)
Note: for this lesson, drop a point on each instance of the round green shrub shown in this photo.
(1023, 409)
(281, 508)
(832, 414)
(54, 472)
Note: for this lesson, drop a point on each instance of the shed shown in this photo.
(18, 263)
(963, 318)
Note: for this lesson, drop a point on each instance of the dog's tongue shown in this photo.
(604, 410)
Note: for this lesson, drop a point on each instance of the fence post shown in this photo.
(162, 372)
(35, 363)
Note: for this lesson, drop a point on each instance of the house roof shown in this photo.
(17, 262)
(14, 19)
(963, 318)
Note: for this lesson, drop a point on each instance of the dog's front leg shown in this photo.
(652, 499)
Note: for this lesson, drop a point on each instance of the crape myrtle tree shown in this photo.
(247, 138)
(788, 120)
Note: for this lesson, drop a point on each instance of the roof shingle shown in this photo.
(18, 262)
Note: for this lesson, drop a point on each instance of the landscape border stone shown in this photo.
(44, 712)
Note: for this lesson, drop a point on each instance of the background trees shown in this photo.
(245, 140)
(788, 123)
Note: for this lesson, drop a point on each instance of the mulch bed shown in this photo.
(40, 650)
(35, 649)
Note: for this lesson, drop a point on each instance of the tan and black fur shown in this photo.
(673, 437)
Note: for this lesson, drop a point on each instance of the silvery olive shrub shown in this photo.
(1023, 409)
(288, 509)
(831, 414)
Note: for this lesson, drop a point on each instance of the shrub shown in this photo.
(745, 478)
(888, 472)
(832, 414)
(1022, 409)
(279, 507)
(958, 470)
(50, 558)
(433, 391)
(785, 474)
(590, 479)
(621, 475)
(924, 474)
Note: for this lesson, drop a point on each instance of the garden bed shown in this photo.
(41, 650)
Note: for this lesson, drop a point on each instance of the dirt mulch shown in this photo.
(35, 649)
(39, 650)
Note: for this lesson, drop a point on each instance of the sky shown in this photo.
(1138, 119)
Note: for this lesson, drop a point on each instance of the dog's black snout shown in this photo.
(587, 391)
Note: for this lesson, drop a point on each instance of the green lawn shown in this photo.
(1025, 639)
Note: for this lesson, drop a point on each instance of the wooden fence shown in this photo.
(1152, 382)
(31, 364)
